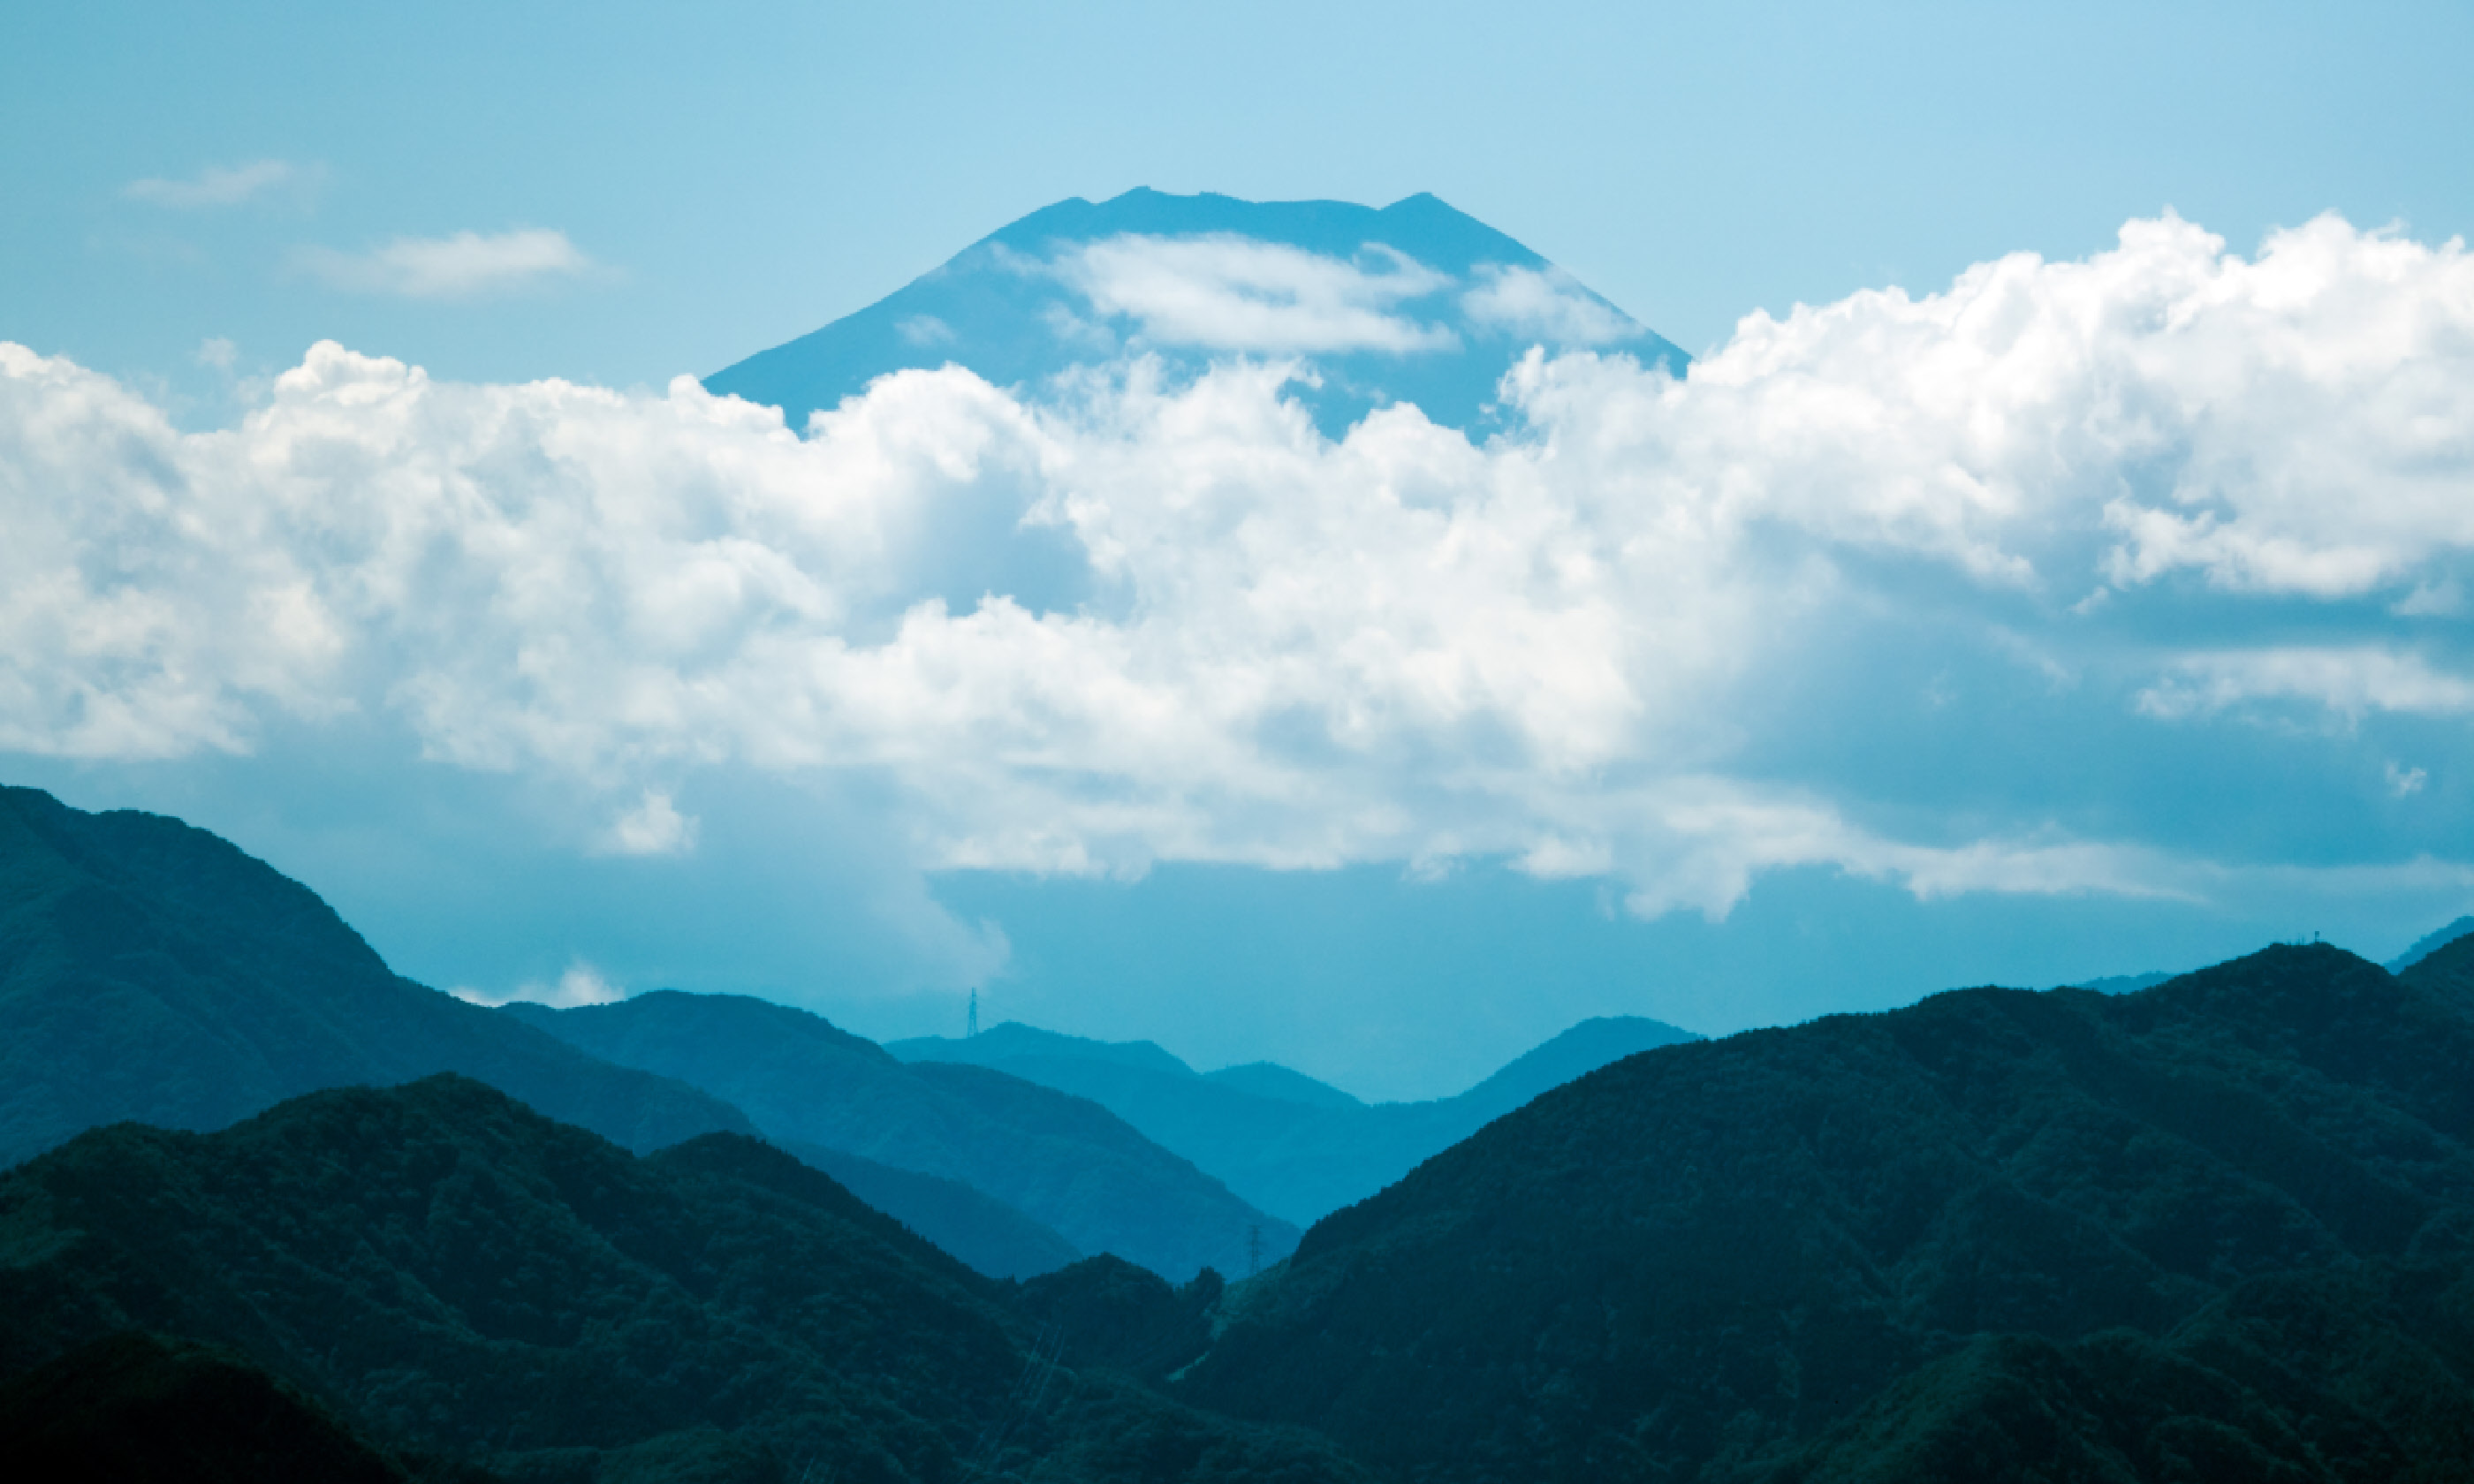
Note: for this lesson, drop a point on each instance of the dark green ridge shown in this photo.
(150, 971)
(136, 1408)
(1067, 1162)
(1692, 1265)
(448, 1270)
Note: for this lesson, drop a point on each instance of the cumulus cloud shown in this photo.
(219, 185)
(1614, 641)
(1545, 305)
(1221, 291)
(463, 266)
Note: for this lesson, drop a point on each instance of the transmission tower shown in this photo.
(971, 1025)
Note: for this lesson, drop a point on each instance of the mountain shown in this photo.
(2429, 944)
(1296, 1147)
(2121, 984)
(1058, 1158)
(2228, 1221)
(1416, 302)
(447, 1270)
(2446, 971)
(152, 972)
(1272, 1080)
(990, 1237)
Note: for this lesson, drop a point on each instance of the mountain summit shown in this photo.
(1415, 302)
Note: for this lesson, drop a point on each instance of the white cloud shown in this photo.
(217, 352)
(1221, 291)
(2405, 782)
(219, 185)
(580, 985)
(463, 266)
(654, 827)
(2349, 681)
(924, 329)
(1571, 647)
(1545, 306)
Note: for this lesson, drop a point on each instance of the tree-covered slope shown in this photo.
(1293, 1151)
(135, 1408)
(451, 1271)
(1694, 1264)
(1067, 1162)
(150, 971)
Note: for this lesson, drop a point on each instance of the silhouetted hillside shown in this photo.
(1277, 1142)
(133, 1408)
(1693, 1265)
(152, 972)
(1061, 1159)
(448, 1269)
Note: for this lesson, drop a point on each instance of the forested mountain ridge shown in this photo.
(456, 1273)
(151, 971)
(1064, 1160)
(1294, 1146)
(1692, 1265)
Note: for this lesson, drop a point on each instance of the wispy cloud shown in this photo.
(467, 265)
(1229, 293)
(219, 185)
(1544, 305)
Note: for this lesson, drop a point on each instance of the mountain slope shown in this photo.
(152, 972)
(1443, 305)
(991, 1237)
(1693, 1265)
(133, 1408)
(2431, 942)
(449, 1269)
(1293, 1153)
(1061, 1159)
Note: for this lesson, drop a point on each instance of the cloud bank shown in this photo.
(1671, 634)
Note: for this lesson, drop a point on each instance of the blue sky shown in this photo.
(2227, 734)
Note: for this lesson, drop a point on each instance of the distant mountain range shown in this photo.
(1415, 302)
(1064, 1162)
(1296, 1147)
(2220, 1228)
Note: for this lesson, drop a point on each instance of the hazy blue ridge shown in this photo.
(992, 309)
(2233, 1214)
(2121, 984)
(150, 971)
(1065, 1162)
(1272, 1080)
(992, 1237)
(2430, 942)
(1300, 1158)
(448, 1271)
